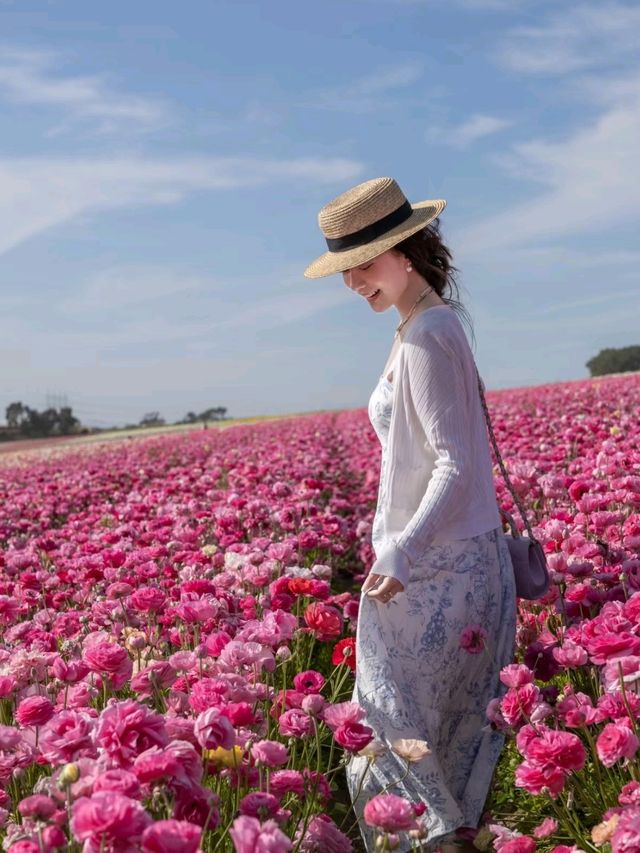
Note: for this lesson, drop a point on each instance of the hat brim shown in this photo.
(333, 262)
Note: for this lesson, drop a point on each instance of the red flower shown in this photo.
(324, 621)
(344, 651)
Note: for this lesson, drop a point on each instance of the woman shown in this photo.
(437, 617)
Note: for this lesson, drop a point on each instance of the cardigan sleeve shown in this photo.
(436, 382)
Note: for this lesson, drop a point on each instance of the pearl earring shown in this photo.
(409, 267)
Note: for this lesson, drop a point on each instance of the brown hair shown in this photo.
(431, 258)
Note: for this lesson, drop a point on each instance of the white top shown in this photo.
(439, 478)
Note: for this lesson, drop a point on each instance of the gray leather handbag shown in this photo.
(527, 554)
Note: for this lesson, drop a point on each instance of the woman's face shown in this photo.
(387, 274)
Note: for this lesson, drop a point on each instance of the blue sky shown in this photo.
(162, 165)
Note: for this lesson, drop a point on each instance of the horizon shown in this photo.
(162, 175)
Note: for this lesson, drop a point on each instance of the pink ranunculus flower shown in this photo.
(473, 639)
(518, 703)
(535, 778)
(68, 736)
(353, 736)
(121, 781)
(212, 729)
(259, 804)
(37, 806)
(25, 845)
(147, 599)
(546, 828)
(270, 753)
(570, 655)
(616, 741)
(390, 813)
(323, 836)
(251, 836)
(630, 794)
(516, 675)
(626, 835)
(171, 836)
(341, 713)
(521, 844)
(127, 728)
(34, 711)
(111, 661)
(284, 781)
(156, 675)
(295, 723)
(562, 749)
(107, 815)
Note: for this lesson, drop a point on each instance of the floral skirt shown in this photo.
(415, 680)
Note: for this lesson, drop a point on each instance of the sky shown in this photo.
(162, 165)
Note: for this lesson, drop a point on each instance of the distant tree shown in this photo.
(34, 424)
(190, 418)
(152, 419)
(611, 360)
(215, 413)
(13, 414)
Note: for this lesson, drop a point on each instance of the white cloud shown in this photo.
(40, 193)
(367, 93)
(29, 77)
(477, 127)
(575, 38)
(591, 183)
(136, 284)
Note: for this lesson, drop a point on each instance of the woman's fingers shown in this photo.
(370, 581)
(386, 590)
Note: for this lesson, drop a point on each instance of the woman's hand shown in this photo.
(381, 587)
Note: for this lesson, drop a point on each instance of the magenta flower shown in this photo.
(111, 661)
(259, 804)
(353, 736)
(171, 836)
(212, 729)
(68, 736)
(34, 711)
(390, 813)
(521, 844)
(473, 639)
(109, 815)
(270, 753)
(295, 723)
(341, 713)
(147, 599)
(250, 836)
(37, 806)
(120, 781)
(626, 836)
(127, 728)
(616, 741)
(309, 681)
(323, 836)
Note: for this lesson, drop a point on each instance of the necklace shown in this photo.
(413, 307)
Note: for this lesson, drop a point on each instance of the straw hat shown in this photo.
(366, 221)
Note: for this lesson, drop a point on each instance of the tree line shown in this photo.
(26, 422)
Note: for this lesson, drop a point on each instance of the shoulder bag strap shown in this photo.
(501, 463)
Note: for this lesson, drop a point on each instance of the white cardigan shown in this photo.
(439, 478)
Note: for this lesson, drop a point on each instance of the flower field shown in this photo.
(178, 622)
